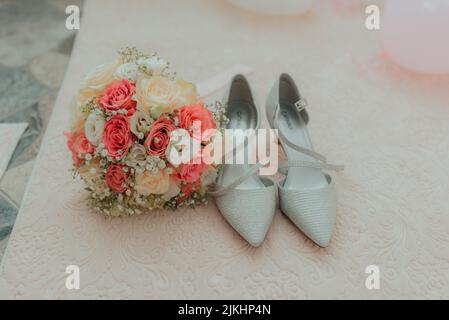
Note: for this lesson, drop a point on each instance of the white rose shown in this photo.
(173, 191)
(155, 65)
(137, 156)
(181, 147)
(140, 123)
(127, 71)
(94, 127)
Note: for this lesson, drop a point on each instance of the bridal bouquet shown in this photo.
(131, 127)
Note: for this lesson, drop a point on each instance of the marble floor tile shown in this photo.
(15, 180)
(34, 53)
(30, 28)
(10, 134)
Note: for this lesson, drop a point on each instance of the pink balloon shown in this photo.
(416, 34)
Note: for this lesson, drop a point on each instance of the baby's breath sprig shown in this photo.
(74, 172)
(171, 75)
(218, 110)
(108, 114)
(196, 198)
(90, 105)
(153, 201)
(131, 54)
(171, 204)
(165, 71)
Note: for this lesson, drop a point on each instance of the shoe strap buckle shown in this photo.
(301, 104)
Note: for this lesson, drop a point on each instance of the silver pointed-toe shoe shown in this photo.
(307, 194)
(245, 200)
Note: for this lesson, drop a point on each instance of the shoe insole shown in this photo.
(241, 115)
(294, 128)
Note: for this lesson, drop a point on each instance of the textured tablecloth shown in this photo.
(389, 127)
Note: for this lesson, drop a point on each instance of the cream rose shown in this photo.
(140, 123)
(93, 128)
(127, 71)
(188, 93)
(137, 156)
(154, 65)
(77, 118)
(96, 81)
(152, 183)
(157, 95)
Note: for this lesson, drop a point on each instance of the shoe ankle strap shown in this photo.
(298, 148)
(218, 190)
(284, 165)
(322, 161)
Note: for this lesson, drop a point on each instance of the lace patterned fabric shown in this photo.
(389, 129)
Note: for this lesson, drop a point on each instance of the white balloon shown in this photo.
(415, 34)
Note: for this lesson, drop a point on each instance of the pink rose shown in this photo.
(117, 136)
(119, 96)
(191, 172)
(116, 178)
(78, 144)
(158, 136)
(192, 113)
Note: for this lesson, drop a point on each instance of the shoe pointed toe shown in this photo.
(249, 212)
(312, 211)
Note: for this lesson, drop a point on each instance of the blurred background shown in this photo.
(34, 53)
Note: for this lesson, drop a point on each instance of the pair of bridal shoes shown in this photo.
(307, 194)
